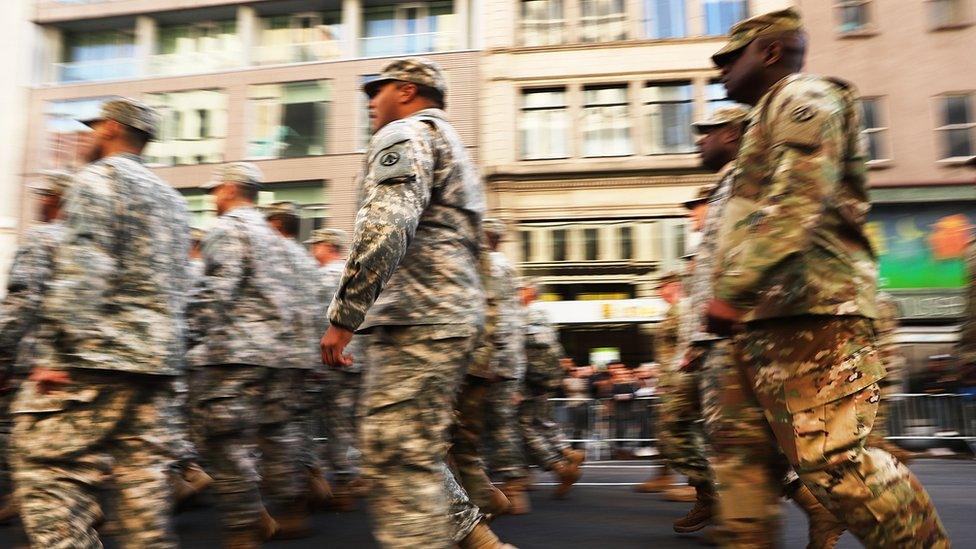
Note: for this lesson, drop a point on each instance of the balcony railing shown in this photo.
(169, 64)
(406, 44)
(297, 53)
(102, 69)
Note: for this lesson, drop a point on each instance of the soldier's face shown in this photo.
(383, 106)
(96, 141)
(716, 147)
(224, 196)
(741, 74)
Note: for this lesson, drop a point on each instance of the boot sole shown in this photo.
(691, 529)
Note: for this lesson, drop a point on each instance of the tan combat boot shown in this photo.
(343, 498)
(660, 483)
(568, 475)
(700, 515)
(681, 494)
(240, 539)
(8, 509)
(498, 503)
(293, 522)
(483, 538)
(319, 491)
(825, 529)
(180, 488)
(576, 457)
(197, 478)
(514, 490)
(267, 527)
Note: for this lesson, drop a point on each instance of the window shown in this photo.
(664, 18)
(946, 13)
(606, 123)
(957, 126)
(874, 131)
(626, 242)
(192, 130)
(201, 47)
(853, 15)
(668, 109)
(543, 23)
(68, 139)
(367, 124)
(603, 21)
(680, 234)
(310, 196)
(98, 55)
(543, 124)
(408, 28)
(559, 245)
(591, 243)
(300, 38)
(716, 98)
(720, 15)
(288, 120)
(526, 241)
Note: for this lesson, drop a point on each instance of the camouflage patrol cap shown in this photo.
(335, 237)
(735, 114)
(53, 182)
(243, 173)
(131, 112)
(417, 70)
(196, 234)
(494, 226)
(282, 208)
(526, 282)
(703, 194)
(744, 32)
(667, 278)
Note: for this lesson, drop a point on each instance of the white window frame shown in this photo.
(881, 130)
(865, 5)
(971, 126)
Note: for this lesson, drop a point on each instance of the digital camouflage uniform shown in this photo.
(412, 279)
(112, 319)
(543, 441)
(804, 273)
(244, 318)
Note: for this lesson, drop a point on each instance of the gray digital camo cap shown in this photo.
(243, 173)
(335, 237)
(282, 207)
(131, 112)
(53, 182)
(417, 70)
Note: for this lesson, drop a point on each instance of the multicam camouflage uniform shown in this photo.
(885, 327)
(412, 278)
(543, 442)
(802, 270)
(112, 320)
(245, 374)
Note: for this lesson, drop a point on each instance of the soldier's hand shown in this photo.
(48, 379)
(333, 343)
(722, 318)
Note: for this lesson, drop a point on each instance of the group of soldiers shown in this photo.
(142, 353)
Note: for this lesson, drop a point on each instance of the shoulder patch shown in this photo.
(803, 113)
(389, 159)
(393, 164)
(391, 134)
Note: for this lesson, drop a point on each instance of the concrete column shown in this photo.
(695, 14)
(639, 128)
(462, 17)
(574, 109)
(146, 34)
(248, 30)
(352, 28)
(635, 19)
(698, 84)
(573, 13)
(49, 55)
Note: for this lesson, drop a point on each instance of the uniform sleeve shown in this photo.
(19, 310)
(87, 262)
(224, 252)
(807, 134)
(397, 190)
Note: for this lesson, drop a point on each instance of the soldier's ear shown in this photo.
(408, 92)
(772, 53)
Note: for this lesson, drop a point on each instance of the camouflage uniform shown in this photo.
(966, 348)
(803, 272)
(412, 279)
(543, 375)
(245, 370)
(112, 319)
(885, 326)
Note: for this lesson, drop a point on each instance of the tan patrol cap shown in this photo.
(243, 173)
(282, 207)
(494, 226)
(734, 114)
(335, 237)
(667, 278)
(703, 194)
(417, 70)
(744, 32)
(53, 183)
(131, 112)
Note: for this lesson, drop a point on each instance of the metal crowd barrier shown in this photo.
(609, 428)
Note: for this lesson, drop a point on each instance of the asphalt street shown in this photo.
(603, 512)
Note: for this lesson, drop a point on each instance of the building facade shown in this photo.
(913, 65)
(272, 82)
(588, 152)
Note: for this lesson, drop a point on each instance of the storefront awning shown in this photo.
(614, 311)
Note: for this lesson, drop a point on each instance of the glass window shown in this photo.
(946, 13)
(68, 139)
(544, 124)
(606, 122)
(664, 18)
(626, 242)
(200, 47)
(603, 21)
(720, 15)
(192, 130)
(367, 125)
(526, 241)
(668, 108)
(957, 126)
(408, 29)
(591, 243)
(559, 245)
(680, 233)
(716, 98)
(300, 38)
(98, 55)
(853, 15)
(543, 23)
(288, 120)
(874, 130)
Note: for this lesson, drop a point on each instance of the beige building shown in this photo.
(913, 63)
(588, 153)
(273, 82)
